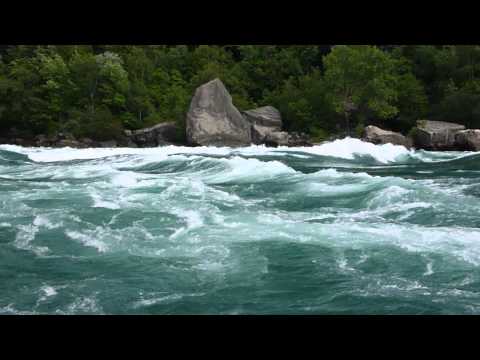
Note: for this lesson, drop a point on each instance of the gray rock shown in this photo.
(260, 133)
(23, 142)
(87, 142)
(296, 140)
(379, 136)
(264, 121)
(266, 129)
(158, 135)
(276, 138)
(108, 144)
(68, 143)
(266, 116)
(42, 141)
(436, 135)
(468, 140)
(283, 138)
(213, 120)
(131, 144)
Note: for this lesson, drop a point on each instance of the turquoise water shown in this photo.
(341, 228)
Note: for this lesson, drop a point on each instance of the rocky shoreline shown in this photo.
(213, 120)
(429, 135)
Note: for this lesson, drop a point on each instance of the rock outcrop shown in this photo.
(379, 136)
(267, 116)
(299, 139)
(158, 135)
(468, 140)
(213, 120)
(265, 121)
(59, 140)
(283, 138)
(266, 129)
(435, 135)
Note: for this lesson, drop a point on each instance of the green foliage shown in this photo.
(361, 79)
(99, 90)
(318, 135)
(462, 107)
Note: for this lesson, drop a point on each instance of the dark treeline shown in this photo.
(96, 91)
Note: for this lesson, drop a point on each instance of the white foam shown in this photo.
(43, 221)
(345, 148)
(49, 291)
(98, 202)
(88, 240)
(334, 173)
(25, 236)
(125, 179)
(150, 302)
(84, 305)
(458, 242)
(249, 169)
(163, 299)
(343, 264)
(68, 154)
(429, 269)
(10, 309)
(193, 219)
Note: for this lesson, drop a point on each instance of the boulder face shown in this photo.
(158, 135)
(436, 135)
(299, 140)
(276, 138)
(213, 120)
(266, 116)
(468, 140)
(264, 122)
(260, 133)
(108, 144)
(379, 136)
(283, 138)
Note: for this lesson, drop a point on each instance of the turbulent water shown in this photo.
(341, 228)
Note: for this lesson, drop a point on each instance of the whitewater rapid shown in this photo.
(342, 227)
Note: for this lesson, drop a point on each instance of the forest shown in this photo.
(97, 91)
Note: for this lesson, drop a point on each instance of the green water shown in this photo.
(342, 228)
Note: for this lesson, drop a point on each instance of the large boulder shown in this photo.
(299, 140)
(264, 121)
(260, 133)
(436, 135)
(158, 135)
(108, 144)
(379, 136)
(276, 138)
(23, 142)
(266, 116)
(42, 141)
(68, 143)
(468, 140)
(213, 120)
(283, 138)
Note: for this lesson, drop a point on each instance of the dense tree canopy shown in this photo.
(97, 91)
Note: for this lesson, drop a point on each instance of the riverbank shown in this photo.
(213, 120)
